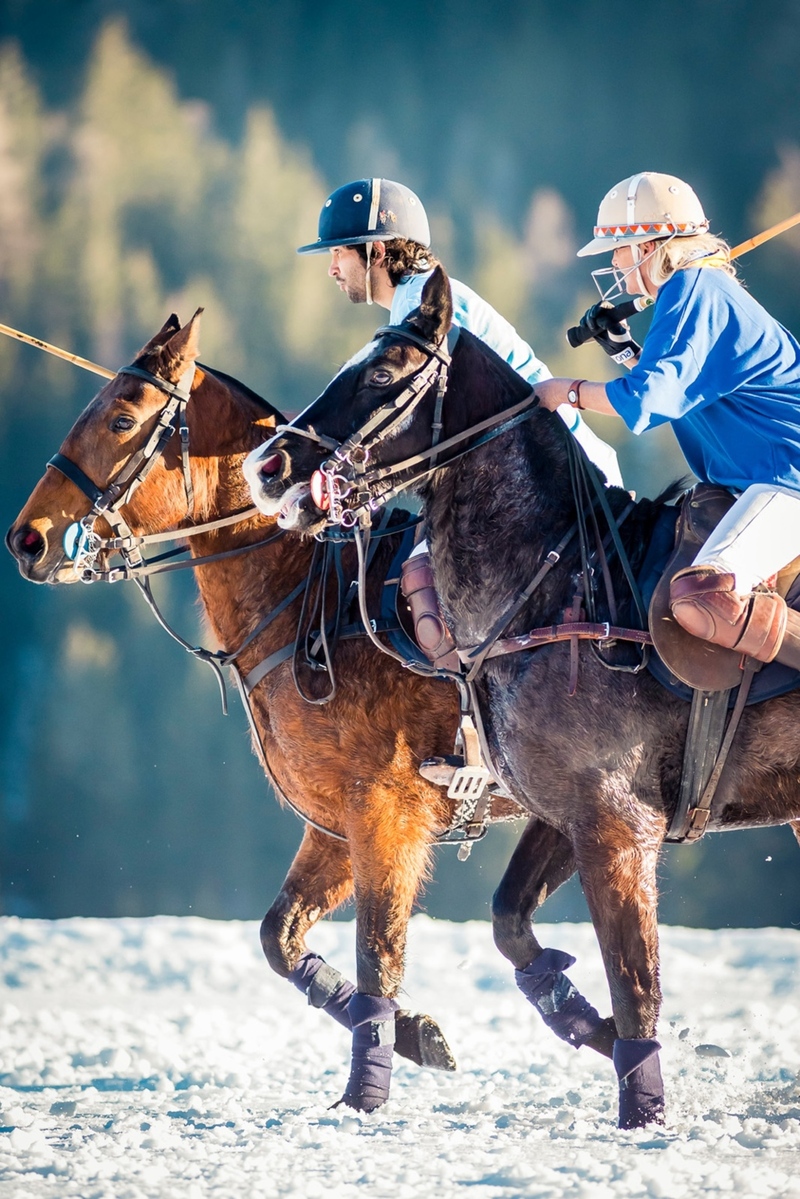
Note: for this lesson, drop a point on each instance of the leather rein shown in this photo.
(349, 479)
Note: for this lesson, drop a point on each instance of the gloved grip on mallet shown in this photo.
(578, 335)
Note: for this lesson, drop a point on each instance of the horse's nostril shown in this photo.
(271, 465)
(28, 543)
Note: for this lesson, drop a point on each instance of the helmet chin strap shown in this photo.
(368, 277)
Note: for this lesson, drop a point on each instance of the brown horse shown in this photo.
(600, 764)
(351, 765)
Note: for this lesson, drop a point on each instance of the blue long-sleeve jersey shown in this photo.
(726, 374)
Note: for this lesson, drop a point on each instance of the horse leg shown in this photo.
(319, 880)
(389, 862)
(618, 871)
(541, 862)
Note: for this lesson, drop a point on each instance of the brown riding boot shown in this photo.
(705, 603)
(432, 634)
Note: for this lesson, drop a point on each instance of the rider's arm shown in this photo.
(592, 396)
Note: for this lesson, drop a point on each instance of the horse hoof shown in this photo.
(421, 1040)
(359, 1103)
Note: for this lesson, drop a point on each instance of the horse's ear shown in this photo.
(170, 326)
(182, 348)
(434, 316)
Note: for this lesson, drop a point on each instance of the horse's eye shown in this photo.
(381, 378)
(123, 424)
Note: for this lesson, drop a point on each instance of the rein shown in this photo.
(349, 463)
(349, 467)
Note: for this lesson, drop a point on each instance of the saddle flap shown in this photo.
(697, 663)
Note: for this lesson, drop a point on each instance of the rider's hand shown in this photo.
(611, 333)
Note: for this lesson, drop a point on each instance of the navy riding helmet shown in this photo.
(369, 210)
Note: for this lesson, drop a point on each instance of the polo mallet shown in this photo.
(45, 345)
(577, 336)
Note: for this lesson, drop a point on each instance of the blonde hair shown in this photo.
(677, 252)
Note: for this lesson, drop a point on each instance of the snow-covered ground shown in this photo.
(161, 1057)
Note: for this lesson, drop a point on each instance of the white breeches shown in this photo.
(757, 537)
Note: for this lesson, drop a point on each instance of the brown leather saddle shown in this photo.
(699, 664)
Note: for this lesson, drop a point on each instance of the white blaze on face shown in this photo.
(289, 510)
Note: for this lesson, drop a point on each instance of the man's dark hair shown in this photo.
(404, 257)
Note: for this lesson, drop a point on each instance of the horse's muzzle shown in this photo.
(31, 550)
(266, 478)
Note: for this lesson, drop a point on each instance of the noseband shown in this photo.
(107, 503)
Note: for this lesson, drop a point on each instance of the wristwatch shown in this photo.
(574, 393)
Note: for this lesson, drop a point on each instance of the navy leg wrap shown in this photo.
(641, 1089)
(325, 987)
(372, 1018)
(561, 1006)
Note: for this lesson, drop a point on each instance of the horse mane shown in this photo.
(493, 381)
(247, 392)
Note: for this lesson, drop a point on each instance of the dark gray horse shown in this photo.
(601, 767)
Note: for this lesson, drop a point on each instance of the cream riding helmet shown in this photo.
(645, 207)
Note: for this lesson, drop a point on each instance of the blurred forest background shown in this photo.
(157, 155)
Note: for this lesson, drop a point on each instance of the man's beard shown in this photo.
(356, 293)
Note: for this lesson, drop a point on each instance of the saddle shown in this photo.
(712, 678)
(697, 664)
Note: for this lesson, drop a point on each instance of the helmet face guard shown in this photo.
(367, 211)
(616, 289)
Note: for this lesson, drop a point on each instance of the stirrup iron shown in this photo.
(470, 780)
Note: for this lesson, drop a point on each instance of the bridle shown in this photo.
(347, 471)
(107, 502)
(347, 478)
(346, 475)
(86, 542)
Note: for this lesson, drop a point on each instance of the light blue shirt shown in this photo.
(472, 313)
(479, 318)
